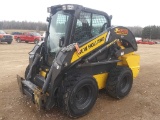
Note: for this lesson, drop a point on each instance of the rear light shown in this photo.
(3, 37)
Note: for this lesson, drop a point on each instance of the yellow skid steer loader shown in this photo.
(81, 54)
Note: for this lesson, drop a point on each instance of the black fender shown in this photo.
(123, 34)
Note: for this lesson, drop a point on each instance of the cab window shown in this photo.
(83, 28)
(99, 24)
(88, 26)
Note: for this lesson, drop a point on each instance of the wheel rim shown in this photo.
(124, 85)
(83, 97)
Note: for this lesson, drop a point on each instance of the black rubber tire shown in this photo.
(26, 41)
(80, 95)
(26, 71)
(9, 42)
(19, 40)
(119, 82)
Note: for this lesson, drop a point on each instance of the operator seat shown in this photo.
(82, 32)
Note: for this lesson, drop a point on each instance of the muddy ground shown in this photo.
(143, 102)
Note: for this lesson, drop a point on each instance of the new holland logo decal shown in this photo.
(121, 31)
(91, 45)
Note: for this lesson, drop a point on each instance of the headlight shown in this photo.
(63, 7)
(67, 7)
(70, 7)
(2, 37)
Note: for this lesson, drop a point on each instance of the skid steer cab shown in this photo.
(80, 55)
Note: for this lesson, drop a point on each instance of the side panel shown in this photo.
(88, 47)
(32, 39)
(24, 37)
(101, 80)
(131, 60)
(29, 38)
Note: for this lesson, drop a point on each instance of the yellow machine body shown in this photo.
(131, 60)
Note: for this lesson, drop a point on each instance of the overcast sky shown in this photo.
(125, 12)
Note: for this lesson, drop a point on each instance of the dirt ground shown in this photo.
(143, 102)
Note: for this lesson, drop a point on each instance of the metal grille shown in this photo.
(89, 25)
(97, 24)
(62, 18)
(61, 23)
(8, 37)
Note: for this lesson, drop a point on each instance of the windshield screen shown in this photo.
(2, 32)
(57, 29)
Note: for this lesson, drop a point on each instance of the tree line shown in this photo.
(151, 32)
(136, 30)
(148, 32)
(23, 25)
(39, 26)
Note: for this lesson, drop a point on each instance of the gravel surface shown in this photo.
(143, 102)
